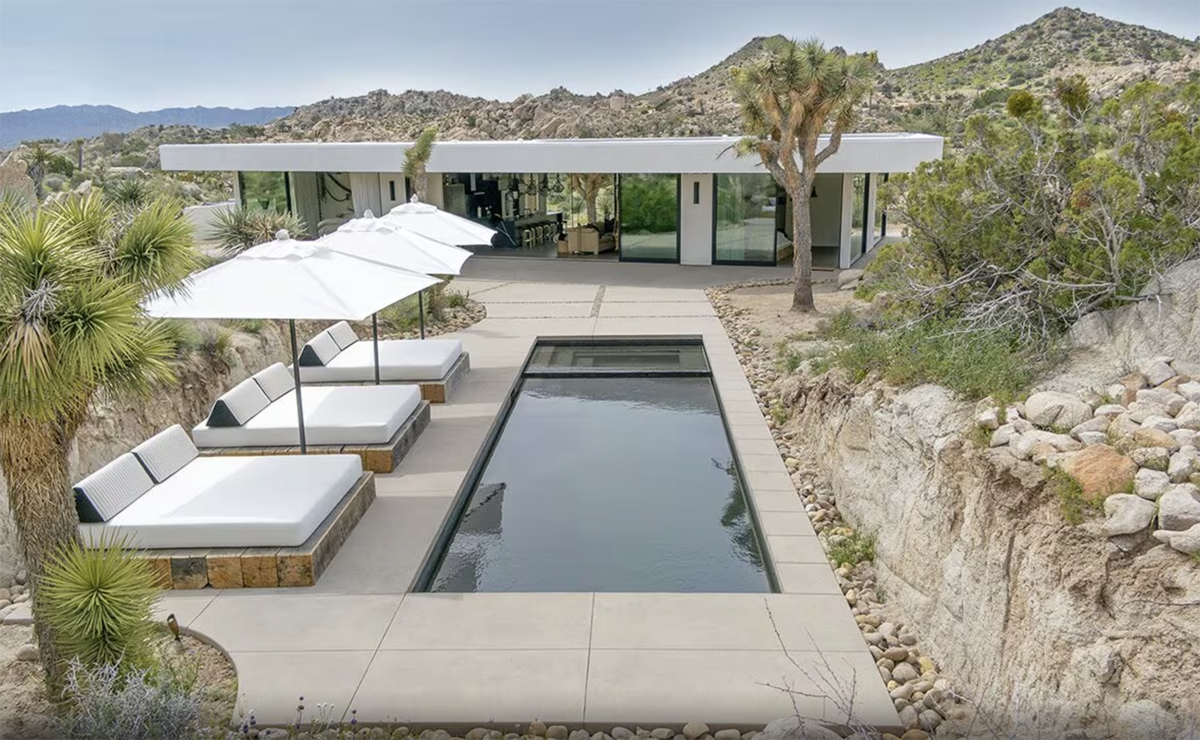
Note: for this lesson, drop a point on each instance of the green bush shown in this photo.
(1070, 496)
(99, 601)
(852, 549)
(237, 229)
(132, 193)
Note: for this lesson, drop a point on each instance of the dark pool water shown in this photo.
(606, 483)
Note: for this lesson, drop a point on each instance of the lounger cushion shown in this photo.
(275, 501)
(342, 334)
(399, 359)
(320, 350)
(238, 405)
(111, 489)
(275, 381)
(333, 415)
(165, 453)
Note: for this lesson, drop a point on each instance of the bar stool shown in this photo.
(527, 237)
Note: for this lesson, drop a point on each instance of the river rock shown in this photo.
(1164, 423)
(727, 734)
(1189, 390)
(1188, 420)
(619, 733)
(904, 672)
(1186, 438)
(1182, 464)
(793, 728)
(849, 276)
(556, 732)
(1099, 424)
(1054, 409)
(1151, 484)
(662, 733)
(1100, 471)
(1139, 411)
(28, 651)
(1155, 458)
(1126, 514)
(1092, 438)
(537, 728)
(21, 577)
(1108, 411)
(693, 730)
(5, 594)
(1187, 541)
(580, 735)
(1158, 372)
(1004, 434)
(1179, 508)
(1154, 437)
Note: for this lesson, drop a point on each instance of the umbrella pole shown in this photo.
(421, 311)
(296, 378)
(375, 339)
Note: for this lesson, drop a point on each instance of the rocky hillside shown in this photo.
(1059, 43)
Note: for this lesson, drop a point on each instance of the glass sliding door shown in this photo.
(745, 213)
(858, 218)
(266, 191)
(648, 218)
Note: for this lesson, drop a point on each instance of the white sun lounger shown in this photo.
(163, 496)
(261, 412)
(337, 356)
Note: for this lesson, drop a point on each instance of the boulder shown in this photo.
(1101, 471)
(1122, 426)
(1146, 720)
(1165, 423)
(1179, 508)
(1188, 420)
(1189, 390)
(1059, 442)
(1186, 437)
(693, 730)
(1151, 437)
(1098, 424)
(1151, 484)
(1155, 458)
(845, 277)
(28, 652)
(794, 728)
(1055, 409)
(1004, 434)
(1092, 438)
(1108, 410)
(1139, 411)
(1187, 541)
(1126, 514)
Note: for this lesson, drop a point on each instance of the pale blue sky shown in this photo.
(151, 54)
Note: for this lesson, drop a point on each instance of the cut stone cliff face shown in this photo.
(1051, 627)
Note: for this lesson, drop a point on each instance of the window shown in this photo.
(648, 215)
(265, 190)
(857, 208)
(745, 218)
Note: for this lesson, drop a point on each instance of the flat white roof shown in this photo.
(857, 153)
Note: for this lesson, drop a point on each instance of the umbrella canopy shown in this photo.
(375, 239)
(290, 279)
(434, 223)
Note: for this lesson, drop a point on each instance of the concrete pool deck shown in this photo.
(359, 640)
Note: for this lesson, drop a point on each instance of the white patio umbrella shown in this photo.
(431, 221)
(290, 279)
(376, 239)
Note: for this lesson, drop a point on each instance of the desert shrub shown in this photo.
(236, 229)
(250, 326)
(852, 548)
(209, 339)
(132, 193)
(1070, 496)
(114, 701)
(457, 300)
(98, 600)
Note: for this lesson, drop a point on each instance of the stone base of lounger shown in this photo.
(266, 567)
(381, 458)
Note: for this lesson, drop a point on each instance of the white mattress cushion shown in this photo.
(274, 380)
(399, 359)
(238, 405)
(275, 501)
(111, 489)
(333, 415)
(319, 350)
(342, 334)
(166, 452)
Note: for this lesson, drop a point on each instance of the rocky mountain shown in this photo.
(84, 121)
(1060, 43)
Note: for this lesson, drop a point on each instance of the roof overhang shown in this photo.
(857, 153)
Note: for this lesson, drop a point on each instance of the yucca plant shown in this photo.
(129, 193)
(237, 229)
(416, 159)
(72, 280)
(99, 600)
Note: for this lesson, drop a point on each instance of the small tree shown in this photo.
(589, 185)
(787, 100)
(72, 280)
(416, 159)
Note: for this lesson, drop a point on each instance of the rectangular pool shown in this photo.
(611, 471)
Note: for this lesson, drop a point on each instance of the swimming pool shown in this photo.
(611, 469)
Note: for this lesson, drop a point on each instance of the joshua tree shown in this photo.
(72, 279)
(39, 161)
(78, 153)
(787, 100)
(590, 186)
(416, 159)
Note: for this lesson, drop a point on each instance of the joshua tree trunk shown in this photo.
(34, 459)
(802, 295)
(591, 207)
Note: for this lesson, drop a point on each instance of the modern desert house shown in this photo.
(688, 201)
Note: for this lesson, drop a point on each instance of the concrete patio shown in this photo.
(358, 639)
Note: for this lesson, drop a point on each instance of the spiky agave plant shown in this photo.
(237, 229)
(99, 601)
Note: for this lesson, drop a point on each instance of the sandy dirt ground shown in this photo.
(769, 309)
(27, 714)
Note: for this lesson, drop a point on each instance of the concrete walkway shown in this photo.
(360, 641)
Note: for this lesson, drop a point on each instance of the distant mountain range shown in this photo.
(67, 122)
